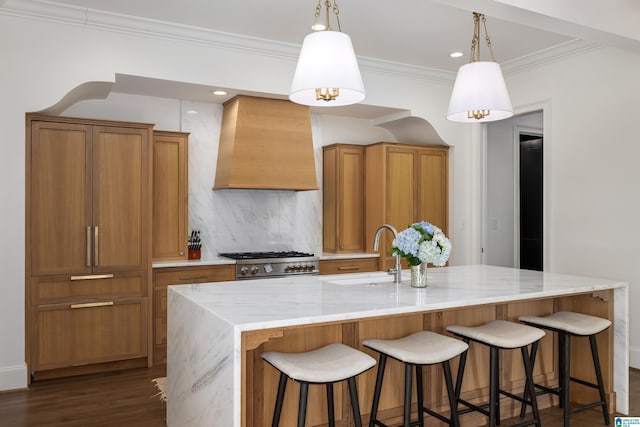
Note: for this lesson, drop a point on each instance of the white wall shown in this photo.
(500, 211)
(592, 142)
(43, 59)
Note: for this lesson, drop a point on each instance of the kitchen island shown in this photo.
(218, 331)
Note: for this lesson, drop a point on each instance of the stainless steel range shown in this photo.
(260, 265)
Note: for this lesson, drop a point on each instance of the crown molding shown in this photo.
(44, 10)
(548, 56)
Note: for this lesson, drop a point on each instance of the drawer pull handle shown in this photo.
(92, 304)
(348, 268)
(93, 277)
(193, 277)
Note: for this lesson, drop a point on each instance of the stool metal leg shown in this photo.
(600, 382)
(355, 405)
(453, 403)
(494, 385)
(420, 394)
(330, 411)
(376, 393)
(302, 404)
(282, 385)
(528, 368)
(525, 394)
(565, 376)
(408, 373)
(459, 377)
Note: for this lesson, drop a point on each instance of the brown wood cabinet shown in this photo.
(348, 265)
(343, 198)
(170, 195)
(163, 277)
(404, 184)
(88, 241)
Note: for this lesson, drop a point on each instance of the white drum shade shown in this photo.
(479, 86)
(327, 60)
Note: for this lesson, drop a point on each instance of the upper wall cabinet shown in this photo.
(170, 195)
(343, 198)
(88, 197)
(404, 184)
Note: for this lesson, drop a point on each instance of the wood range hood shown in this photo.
(265, 144)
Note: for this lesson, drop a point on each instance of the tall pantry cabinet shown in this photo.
(88, 245)
(404, 184)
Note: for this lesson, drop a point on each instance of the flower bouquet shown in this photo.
(419, 244)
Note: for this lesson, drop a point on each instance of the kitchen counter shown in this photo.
(194, 262)
(212, 326)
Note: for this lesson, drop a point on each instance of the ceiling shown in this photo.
(418, 33)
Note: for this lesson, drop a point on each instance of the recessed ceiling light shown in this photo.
(191, 112)
(220, 92)
(456, 54)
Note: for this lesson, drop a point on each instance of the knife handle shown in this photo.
(95, 245)
(88, 246)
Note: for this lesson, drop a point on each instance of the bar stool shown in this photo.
(325, 365)
(567, 324)
(417, 350)
(499, 335)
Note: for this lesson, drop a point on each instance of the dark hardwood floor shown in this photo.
(127, 398)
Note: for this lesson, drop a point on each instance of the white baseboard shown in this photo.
(13, 377)
(634, 357)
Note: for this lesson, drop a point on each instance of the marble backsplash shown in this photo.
(245, 220)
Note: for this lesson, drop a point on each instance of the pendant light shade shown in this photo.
(327, 62)
(479, 93)
(479, 87)
(327, 73)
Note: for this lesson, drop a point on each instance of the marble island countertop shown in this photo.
(207, 322)
(258, 304)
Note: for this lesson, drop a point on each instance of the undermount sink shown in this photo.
(366, 280)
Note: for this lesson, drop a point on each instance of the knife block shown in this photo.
(194, 254)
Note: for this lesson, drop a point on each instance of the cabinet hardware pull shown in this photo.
(192, 277)
(93, 277)
(348, 268)
(95, 245)
(92, 304)
(88, 246)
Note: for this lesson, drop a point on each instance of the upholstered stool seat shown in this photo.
(567, 324)
(499, 335)
(325, 365)
(417, 350)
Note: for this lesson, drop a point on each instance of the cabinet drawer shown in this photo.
(53, 289)
(66, 335)
(352, 265)
(200, 274)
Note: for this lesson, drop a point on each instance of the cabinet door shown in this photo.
(432, 187)
(60, 198)
(170, 189)
(92, 332)
(350, 231)
(120, 198)
(401, 203)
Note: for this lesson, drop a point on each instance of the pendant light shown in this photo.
(327, 74)
(479, 93)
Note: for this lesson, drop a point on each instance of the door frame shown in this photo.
(547, 256)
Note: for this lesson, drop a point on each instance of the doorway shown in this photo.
(514, 199)
(531, 170)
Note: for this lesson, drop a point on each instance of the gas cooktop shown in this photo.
(254, 265)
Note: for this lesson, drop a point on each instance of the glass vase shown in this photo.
(419, 275)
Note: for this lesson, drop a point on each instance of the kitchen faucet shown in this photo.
(397, 272)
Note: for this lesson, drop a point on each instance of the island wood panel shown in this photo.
(260, 385)
(350, 265)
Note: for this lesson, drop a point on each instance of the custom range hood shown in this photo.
(265, 144)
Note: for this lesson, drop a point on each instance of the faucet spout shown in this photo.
(397, 271)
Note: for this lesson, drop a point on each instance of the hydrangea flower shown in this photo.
(422, 242)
